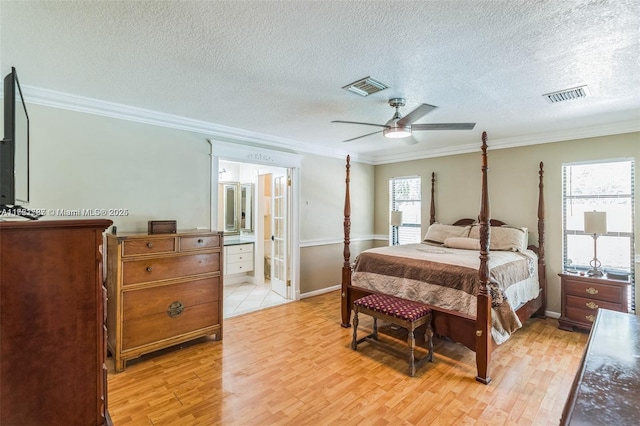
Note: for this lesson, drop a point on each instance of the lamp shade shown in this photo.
(595, 223)
(396, 218)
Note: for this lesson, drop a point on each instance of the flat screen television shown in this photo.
(14, 151)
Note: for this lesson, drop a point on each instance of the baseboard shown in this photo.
(319, 292)
(239, 279)
(552, 315)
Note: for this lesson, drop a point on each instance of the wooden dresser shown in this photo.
(162, 290)
(606, 387)
(582, 296)
(52, 334)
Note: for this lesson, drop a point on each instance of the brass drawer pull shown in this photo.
(200, 241)
(175, 309)
(590, 318)
(591, 290)
(591, 305)
(149, 269)
(150, 244)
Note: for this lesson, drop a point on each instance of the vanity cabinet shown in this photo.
(163, 289)
(238, 258)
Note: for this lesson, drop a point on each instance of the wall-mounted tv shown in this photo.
(14, 151)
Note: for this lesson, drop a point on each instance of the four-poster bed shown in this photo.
(473, 325)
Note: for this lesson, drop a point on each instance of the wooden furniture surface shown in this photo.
(606, 387)
(52, 334)
(582, 296)
(163, 289)
(473, 332)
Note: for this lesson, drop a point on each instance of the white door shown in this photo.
(280, 234)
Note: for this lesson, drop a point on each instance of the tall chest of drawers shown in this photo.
(162, 290)
(52, 331)
(582, 296)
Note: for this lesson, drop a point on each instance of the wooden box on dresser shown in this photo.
(582, 296)
(163, 289)
(52, 333)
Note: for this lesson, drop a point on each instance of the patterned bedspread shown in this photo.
(448, 278)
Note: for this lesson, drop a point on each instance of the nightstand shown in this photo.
(582, 296)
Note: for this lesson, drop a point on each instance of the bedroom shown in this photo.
(158, 166)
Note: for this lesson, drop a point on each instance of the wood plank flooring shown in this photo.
(293, 365)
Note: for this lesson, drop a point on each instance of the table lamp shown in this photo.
(595, 223)
(396, 221)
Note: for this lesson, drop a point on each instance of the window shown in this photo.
(605, 187)
(405, 196)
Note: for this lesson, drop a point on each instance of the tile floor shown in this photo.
(242, 298)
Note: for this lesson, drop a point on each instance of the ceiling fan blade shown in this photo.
(416, 114)
(358, 122)
(363, 136)
(443, 126)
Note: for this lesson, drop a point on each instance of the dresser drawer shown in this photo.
(240, 248)
(596, 291)
(148, 246)
(160, 326)
(198, 243)
(153, 300)
(163, 268)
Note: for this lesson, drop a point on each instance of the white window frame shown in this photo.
(411, 215)
(570, 234)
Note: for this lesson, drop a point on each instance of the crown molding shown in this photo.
(87, 105)
(55, 99)
(535, 139)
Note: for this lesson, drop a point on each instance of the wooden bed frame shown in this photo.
(474, 333)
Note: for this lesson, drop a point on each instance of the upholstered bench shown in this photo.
(401, 312)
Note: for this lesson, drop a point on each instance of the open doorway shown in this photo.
(257, 223)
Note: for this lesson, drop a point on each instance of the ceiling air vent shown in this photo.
(365, 86)
(567, 95)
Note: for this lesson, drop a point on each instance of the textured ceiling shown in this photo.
(277, 67)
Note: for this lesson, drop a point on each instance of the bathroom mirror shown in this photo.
(229, 202)
(246, 207)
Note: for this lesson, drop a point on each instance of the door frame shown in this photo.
(242, 153)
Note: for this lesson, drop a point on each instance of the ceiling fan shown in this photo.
(402, 127)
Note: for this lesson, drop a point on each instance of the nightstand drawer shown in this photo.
(591, 304)
(584, 316)
(596, 291)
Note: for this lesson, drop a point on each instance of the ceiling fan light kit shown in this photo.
(399, 127)
(397, 132)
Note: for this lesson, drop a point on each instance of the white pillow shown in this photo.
(505, 238)
(462, 243)
(438, 232)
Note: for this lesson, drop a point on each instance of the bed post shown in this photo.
(483, 318)
(542, 271)
(346, 267)
(432, 219)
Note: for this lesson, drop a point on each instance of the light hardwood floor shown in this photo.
(292, 365)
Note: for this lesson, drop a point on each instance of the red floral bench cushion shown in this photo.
(400, 308)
